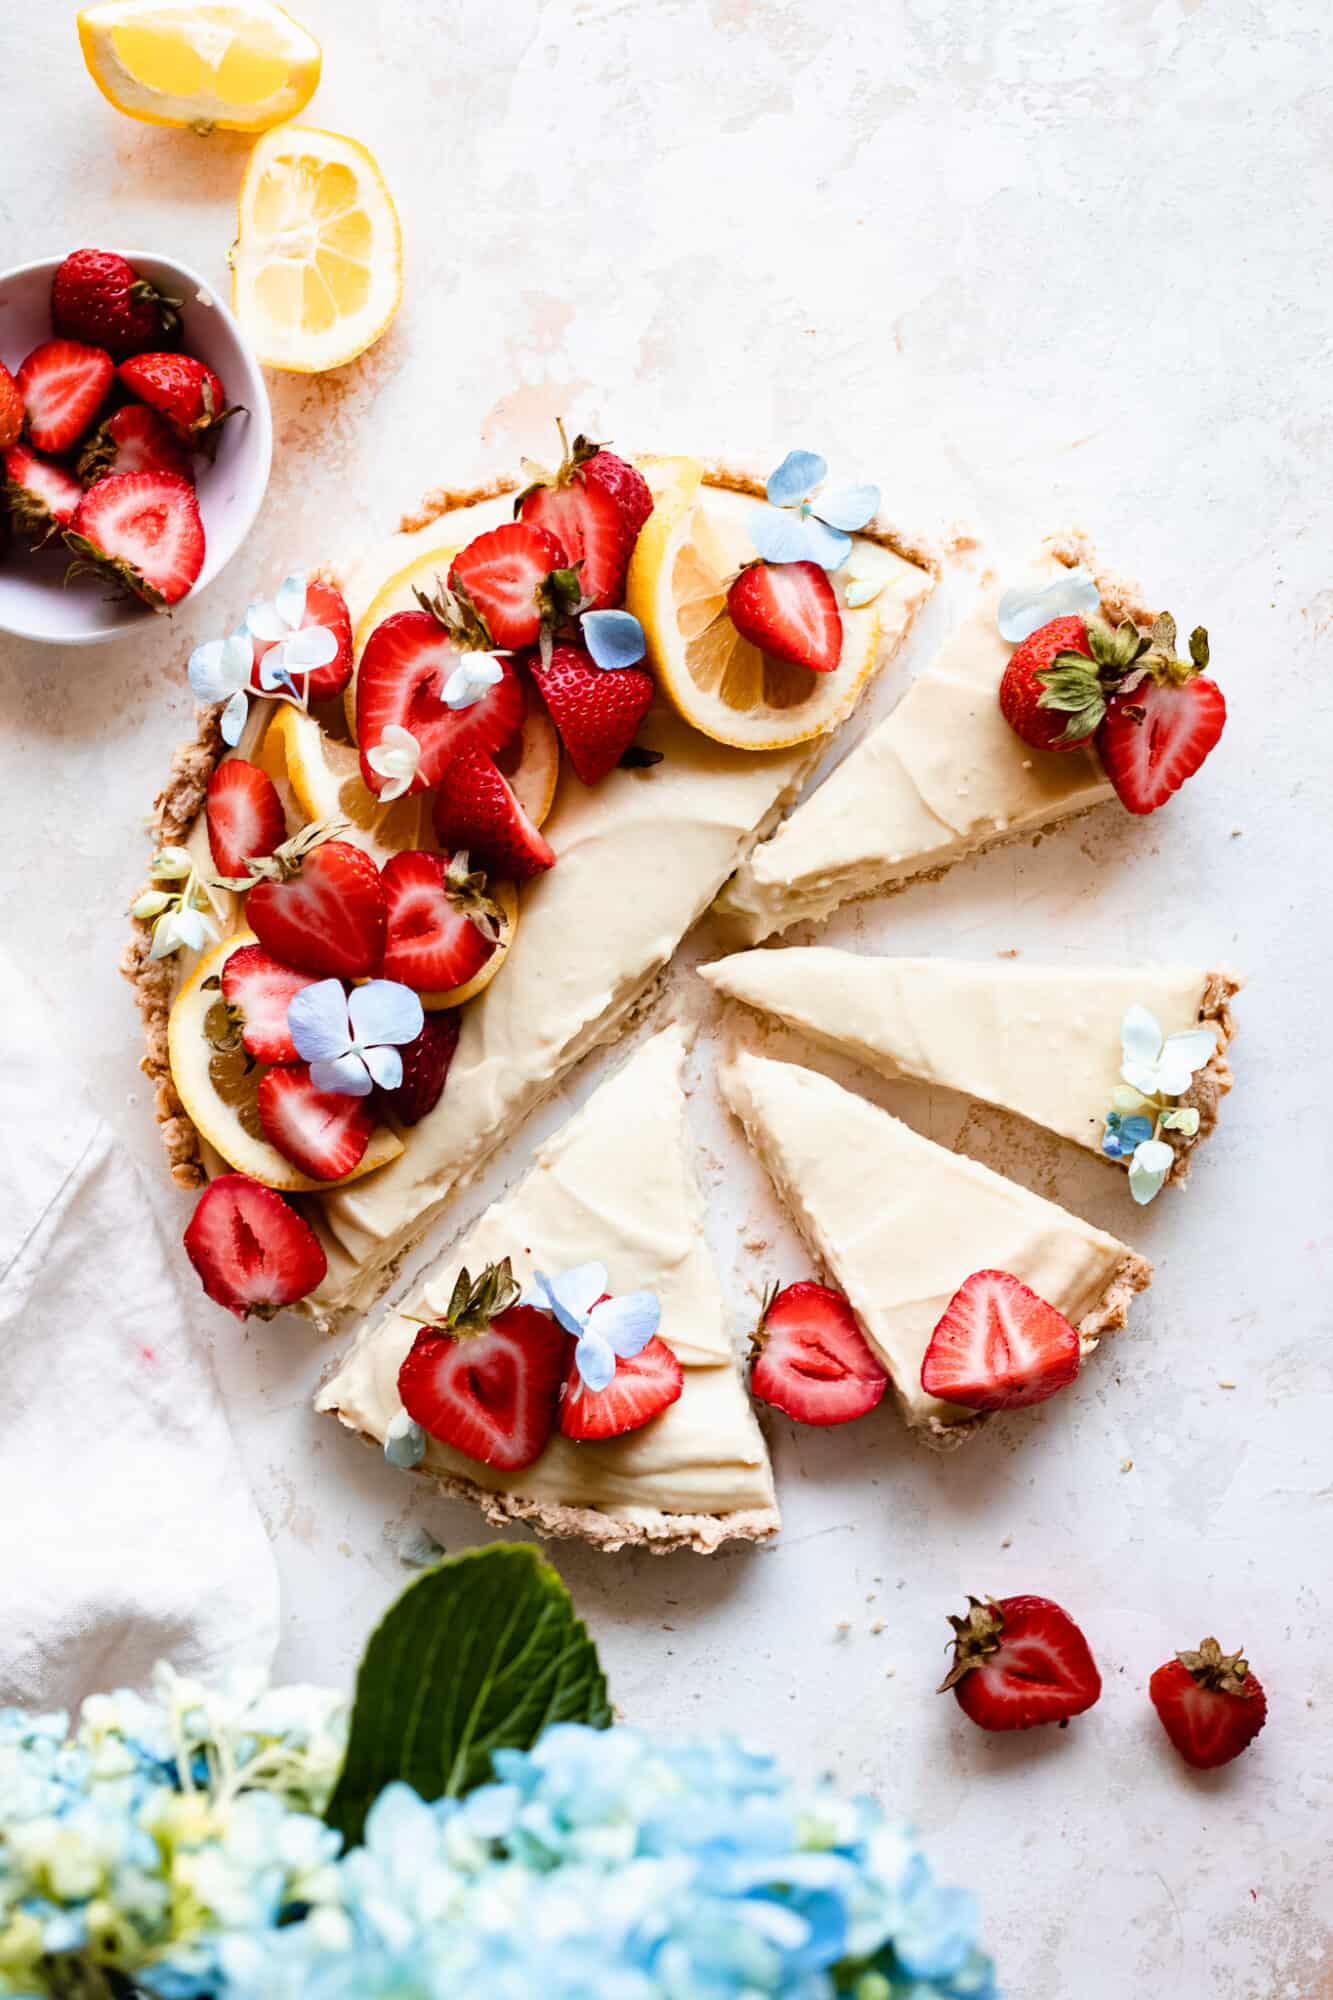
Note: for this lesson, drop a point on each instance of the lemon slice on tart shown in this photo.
(324, 775)
(317, 267)
(215, 1081)
(239, 64)
(692, 545)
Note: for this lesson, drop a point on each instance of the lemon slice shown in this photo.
(240, 64)
(692, 545)
(326, 782)
(215, 1084)
(532, 762)
(317, 266)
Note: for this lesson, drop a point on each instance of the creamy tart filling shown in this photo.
(899, 1223)
(613, 1185)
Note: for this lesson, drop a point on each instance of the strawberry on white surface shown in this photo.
(252, 1251)
(1020, 1662)
(811, 1359)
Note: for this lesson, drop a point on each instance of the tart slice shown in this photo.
(613, 1186)
(942, 777)
(1045, 1041)
(900, 1224)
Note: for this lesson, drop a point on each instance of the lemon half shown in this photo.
(239, 64)
(692, 545)
(317, 267)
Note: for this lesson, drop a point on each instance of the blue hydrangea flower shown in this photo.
(1123, 1134)
(614, 639)
(352, 1042)
(614, 1329)
(802, 522)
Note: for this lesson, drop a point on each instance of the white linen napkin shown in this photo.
(127, 1530)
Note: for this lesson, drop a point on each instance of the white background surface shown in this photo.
(1025, 265)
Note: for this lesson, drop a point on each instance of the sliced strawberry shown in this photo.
(811, 1359)
(253, 1252)
(487, 1380)
(1020, 1662)
(476, 810)
(441, 926)
(133, 439)
(998, 1346)
(42, 497)
(1157, 735)
(11, 409)
(502, 574)
(98, 296)
(259, 991)
(323, 1132)
(425, 1070)
(789, 611)
(244, 815)
(325, 915)
(1210, 1704)
(640, 1390)
(183, 390)
(142, 532)
(597, 714)
(63, 385)
(595, 517)
(407, 660)
(324, 605)
(1025, 700)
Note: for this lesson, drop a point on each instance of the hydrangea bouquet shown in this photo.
(472, 1827)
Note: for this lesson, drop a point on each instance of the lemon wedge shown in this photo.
(239, 64)
(692, 545)
(317, 266)
(215, 1082)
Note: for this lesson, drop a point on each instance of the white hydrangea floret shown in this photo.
(472, 679)
(295, 650)
(396, 758)
(1159, 1065)
(219, 670)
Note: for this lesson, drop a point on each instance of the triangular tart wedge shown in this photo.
(940, 778)
(614, 1185)
(1040, 1040)
(898, 1223)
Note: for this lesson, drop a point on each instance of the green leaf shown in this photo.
(1070, 686)
(478, 1655)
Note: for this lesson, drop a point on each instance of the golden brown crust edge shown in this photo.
(1214, 1080)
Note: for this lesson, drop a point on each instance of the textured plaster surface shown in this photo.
(1026, 265)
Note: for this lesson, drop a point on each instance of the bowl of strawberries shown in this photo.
(135, 442)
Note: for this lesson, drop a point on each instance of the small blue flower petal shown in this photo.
(594, 1359)
(1025, 610)
(343, 1076)
(847, 506)
(614, 639)
(1133, 1131)
(232, 724)
(829, 547)
(404, 1441)
(780, 537)
(627, 1323)
(794, 478)
(384, 1010)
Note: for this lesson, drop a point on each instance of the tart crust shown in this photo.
(1210, 1084)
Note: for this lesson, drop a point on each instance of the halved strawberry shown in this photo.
(641, 1388)
(41, 496)
(142, 532)
(133, 439)
(323, 1132)
(182, 389)
(998, 1346)
(259, 991)
(244, 815)
(1210, 1704)
(406, 662)
(476, 810)
(595, 518)
(441, 926)
(487, 1379)
(597, 714)
(425, 1069)
(811, 1359)
(11, 409)
(790, 612)
(1157, 736)
(253, 1252)
(63, 385)
(323, 911)
(502, 574)
(324, 605)
(1020, 1662)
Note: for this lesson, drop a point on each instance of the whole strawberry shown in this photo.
(99, 297)
(1031, 705)
(184, 391)
(596, 713)
(1019, 1662)
(425, 1069)
(1210, 1704)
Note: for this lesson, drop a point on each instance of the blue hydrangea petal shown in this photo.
(595, 1359)
(780, 537)
(847, 506)
(343, 1076)
(1133, 1132)
(1026, 608)
(799, 472)
(614, 639)
(829, 547)
(384, 1010)
(627, 1323)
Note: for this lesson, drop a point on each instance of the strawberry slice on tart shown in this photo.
(789, 611)
(504, 575)
(644, 1384)
(323, 1132)
(999, 1346)
(425, 1070)
(409, 660)
(476, 810)
(243, 814)
(1020, 1662)
(594, 504)
(441, 926)
(143, 533)
(487, 1379)
(1210, 1703)
(596, 713)
(41, 496)
(811, 1359)
(64, 384)
(259, 989)
(251, 1249)
(320, 908)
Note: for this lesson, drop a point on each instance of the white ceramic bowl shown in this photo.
(35, 602)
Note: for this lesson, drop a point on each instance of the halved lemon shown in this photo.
(215, 1084)
(317, 266)
(692, 545)
(239, 64)
(326, 782)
